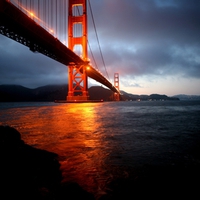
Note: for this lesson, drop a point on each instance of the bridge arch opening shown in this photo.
(77, 10)
(78, 49)
(77, 30)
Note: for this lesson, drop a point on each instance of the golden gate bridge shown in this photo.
(46, 27)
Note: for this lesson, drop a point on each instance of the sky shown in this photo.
(154, 45)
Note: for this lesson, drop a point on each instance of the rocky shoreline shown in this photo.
(30, 173)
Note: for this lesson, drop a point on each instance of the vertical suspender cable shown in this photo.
(56, 18)
(49, 10)
(52, 24)
(59, 17)
(47, 13)
(65, 21)
(43, 11)
(38, 10)
(61, 21)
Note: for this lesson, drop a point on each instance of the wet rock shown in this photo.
(31, 173)
(9, 137)
(25, 171)
(72, 190)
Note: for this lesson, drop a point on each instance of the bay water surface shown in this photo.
(106, 146)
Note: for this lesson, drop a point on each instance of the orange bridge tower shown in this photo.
(116, 84)
(77, 39)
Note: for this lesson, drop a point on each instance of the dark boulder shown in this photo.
(30, 173)
(26, 172)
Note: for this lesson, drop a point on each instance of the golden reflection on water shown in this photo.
(73, 132)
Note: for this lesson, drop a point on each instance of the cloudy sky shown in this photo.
(154, 45)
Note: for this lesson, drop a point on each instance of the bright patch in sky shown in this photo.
(166, 3)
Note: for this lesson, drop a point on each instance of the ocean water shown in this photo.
(103, 146)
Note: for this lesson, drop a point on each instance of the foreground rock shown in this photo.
(30, 173)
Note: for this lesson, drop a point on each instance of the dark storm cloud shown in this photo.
(151, 37)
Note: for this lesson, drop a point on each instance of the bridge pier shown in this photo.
(77, 83)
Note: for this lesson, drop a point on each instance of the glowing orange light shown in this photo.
(31, 14)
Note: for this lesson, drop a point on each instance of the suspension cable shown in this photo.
(92, 55)
(98, 39)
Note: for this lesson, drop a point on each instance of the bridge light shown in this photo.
(88, 67)
(31, 14)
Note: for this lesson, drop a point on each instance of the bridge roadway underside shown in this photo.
(18, 26)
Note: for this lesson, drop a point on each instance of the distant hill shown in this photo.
(187, 97)
(50, 92)
(152, 97)
(11, 93)
(98, 92)
(17, 93)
